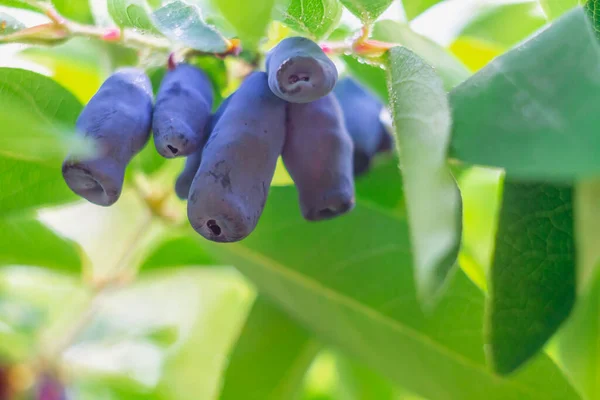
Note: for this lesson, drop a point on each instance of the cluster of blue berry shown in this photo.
(326, 131)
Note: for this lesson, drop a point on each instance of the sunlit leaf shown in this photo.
(25, 241)
(446, 65)
(316, 18)
(415, 7)
(367, 10)
(270, 358)
(355, 289)
(555, 8)
(249, 18)
(505, 24)
(578, 344)
(131, 13)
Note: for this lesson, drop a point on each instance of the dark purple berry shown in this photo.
(192, 163)
(362, 112)
(318, 156)
(229, 192)
(299, 71)
(118, 120)
(182, 111)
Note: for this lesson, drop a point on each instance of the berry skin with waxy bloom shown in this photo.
(229, 192)
(182, 111)
(318, 156)
(118, 121)
(299, 71)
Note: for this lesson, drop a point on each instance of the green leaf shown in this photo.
(194, 370)
(28, 242)
(533, 272)
(587, 211)
(177, 252)
(202, 332)
(421, 115)
(537, 98)
(17, 4)
(413, 8)
(358, 381)
(37, 116)
(367, 10)
(270, 358)
(27, 186)
(183, 23)
(9, 24)
(579, 349)
(592, 7)
(79, 11)
(505, 25)
(450, 69)
(131, 13)
(79, 65)
(481, 190)
(355, 290)
(317, 18)
(249, 18)
(555, 8)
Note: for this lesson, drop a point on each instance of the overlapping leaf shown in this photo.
(355, 289)
(270, 358)
(532, 110)
(533, 272)
(422, 121)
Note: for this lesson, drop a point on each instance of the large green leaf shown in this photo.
(27, 185)
(77, 10)
(413, 8)
(177, 251)
(555, 8)
(183, 23)
(79, 65)
(249, 18)
(367, 10)
(355, 289)
(200, 310)
(317, 18)
(450, 69)
(505, 24)
(25, 241)
(37, 114)
(533, 272)
(421, 115)
(270, 358)
(578, 344)
(532, 110)
(358, 382)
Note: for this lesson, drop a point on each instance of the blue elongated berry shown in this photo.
(118, 120)
(182, 110)
(299, 71)
(318, 156)
(192, 163)
(230, 189)
(362, 112)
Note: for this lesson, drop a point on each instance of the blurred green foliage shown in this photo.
(129, 303)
